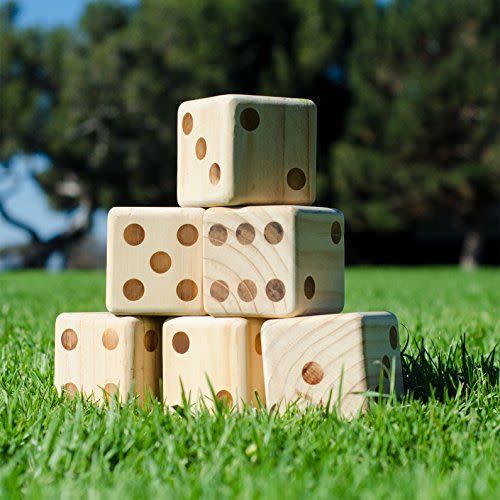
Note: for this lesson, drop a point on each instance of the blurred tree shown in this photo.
(100, 103)
(31, 67)
(423, 136)
(104, 110)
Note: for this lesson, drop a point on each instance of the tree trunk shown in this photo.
(471, 249)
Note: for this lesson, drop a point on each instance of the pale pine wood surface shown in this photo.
(336, 358)
(274, 163)
(280, 244)
(320, 259)
(99, 354)
(222, 349)
(165, 258)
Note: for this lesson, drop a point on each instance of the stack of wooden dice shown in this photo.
(240, 304)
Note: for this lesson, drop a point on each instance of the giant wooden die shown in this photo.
(101, 355)
(239, 149)
(154, 261)
(331, 359)
(273, 261)
(222, 352)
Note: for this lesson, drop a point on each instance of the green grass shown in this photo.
(442, 441)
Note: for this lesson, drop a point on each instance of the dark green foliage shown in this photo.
(444, 375)
(423, 132)
(30, 71)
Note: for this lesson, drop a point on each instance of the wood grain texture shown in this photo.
(154, 261)
(334, 357)
(117, 353)
(246, 150)
(272, 261)
(222, 349)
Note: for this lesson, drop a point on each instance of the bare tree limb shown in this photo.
(35, 238)
(37, 252)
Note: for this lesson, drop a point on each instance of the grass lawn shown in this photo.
(442, 441)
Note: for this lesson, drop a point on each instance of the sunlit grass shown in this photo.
(441, 441)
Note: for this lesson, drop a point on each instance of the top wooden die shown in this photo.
(246, 150)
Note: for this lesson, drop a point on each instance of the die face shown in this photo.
(273, 261)
(314, 360)
(263, 149)
(205, 168)
(382, 352)
(274, 150)
(154, 263)
(327, 359)
(147, 358)
(205, 159)
(320, 261)
(224, 350)
(249, 261)
(100, 355)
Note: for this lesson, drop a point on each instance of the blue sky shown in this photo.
(50, 13)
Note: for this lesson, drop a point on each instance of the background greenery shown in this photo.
(407, 96)
(442, 441)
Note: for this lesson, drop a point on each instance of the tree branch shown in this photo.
(35, 238)
(36, 254)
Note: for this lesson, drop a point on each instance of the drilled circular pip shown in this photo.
(275, 290)
(247, 290)
(214, 174)
(336, 232)
(187, 290)
(70, 389)
(258, 344)
(180, 342)
(217, 235)
(312, 373)
(160, 262)
(187, 235)
(134, 234)
(309, 287)
(110, 390)
(219, 290)
(187, 123)
(110, 339)
(245, 233)
(133, 289)
(225, 397)
(201, 148)
(393, 337)
(69, 339)
(273, 233)
(296, 179)
(151, 341)
(249, 119)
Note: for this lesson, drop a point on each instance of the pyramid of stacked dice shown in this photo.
(238, 293)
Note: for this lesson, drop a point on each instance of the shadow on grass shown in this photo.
(440, 375)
